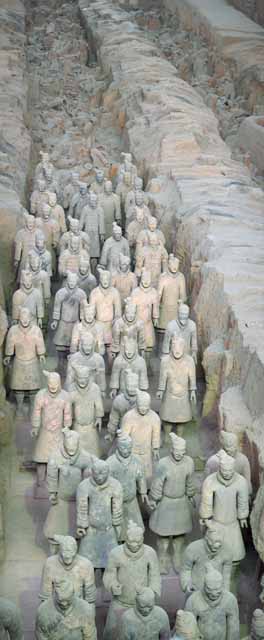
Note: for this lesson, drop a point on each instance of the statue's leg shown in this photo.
(94, 262)
(19, 403)
(167, 427)
(32, 395)
(177, 549)
(180, 430)
(163, 555)
(41, 473)
(62, 362)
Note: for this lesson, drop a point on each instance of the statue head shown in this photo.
(124, 263)
(87, 343)
(48, 171)
(67, 549)
(71, 441)
(152, 223)
(108, 187)
(145, 601)
(143, 402)
(183, 314)
(127, 178)
(46, 211)
(177, 347)
(178, 447)
(126, 156)
(82, 376)
(124, 444)
(229, 442)
(139, 198)
(99, 176)
(226, 466)
(134, 537)
(173, 264)
(41, 185)
(74, 243)
(44, 157)
(40, 241)
(52, 199)
(75, 177)
(130, 348)
(257, 625)
(25, 317)
(63, 593)
(131, 382)
(186, 626)
(139, 215)
(213, 583)
(74, 225)
(100, 472)
(71, 280)
(145, 279)
(89, 312)
(26, 279)
(105, 279)
(213, 536)
(153, 240)
(84, 266)
(83, 189)
(93, 200)
(34, 261)
(30, 222)
(117, 232)
(138, 183)
(130, 311)
(53, 382)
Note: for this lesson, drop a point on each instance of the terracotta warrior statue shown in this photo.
(128, 358)
(51, 230)
(229, 443)
(86, 280)
(11, 624)
(92, 222)
(40, 277)
(257, 518)
(86, 357)
(24, 241)
(74, 230)
(124, 280)
(127, 166)
(110, 203)
(151, 230)
(131, 566)
(99, 514)
(135, 228)
(106, 300)
(67, 563)
(70, 189)
(98, 185)
(43, 165)
(26, 346)
(70, 259)
(140, 202)
(130, 198)
(182, 327)
(88, 410)
(171, 496)
(43, 253)
(49, 177)
(122, 403)
(128, 469)
(57, 212)
(211, 549)
(186, 627)
(215, 609)
(177, 388)
(112, 248)
(172, 291)
(128, 327)
(145, 297)
(38, 197)
(143, 426)
(66, 313)
(80, 187)
(123, 188)
(64, 616)
(146, 621)
(153, 257)
(29, 297)
(51, 413)
(81, 201)
(88, 324)
(66, 466)
(257, 626)
(225, 500)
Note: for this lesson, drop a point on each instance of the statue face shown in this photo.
(46, 211)
(30, 223)
(178, 451)
(130, 349)
(71, 442)
(226, 470)
(82, 379)
(143, 404)
(100, 473)
(89, 313)
(144, 607)
(45, 158)
(75, 226)
(231, 448)
(25, 317)
(213, 592)
(93, 200)
(48, 173)
(52, 199)
(124, 448)
(134, 541)
(130, 312)
(64, 594)
(87, 344)
(75, 243)
(84, 267)
(140, 216)
(105, 279)
(75, 179)
(72, 280)
(213, 540)
(138, 184)
(34, 261)
(99, 176)
(40, 242)
(183, 315)
(131, 385)
(108, 187)
(173, 264)
(83, 190)
(117, 234)
(146, 279)
(41, 186)
(177, 348)
(124, 263)
(152, 225)
(68, 553)
(139, 198)
(54, 383)
(153, 241)
(26, 279)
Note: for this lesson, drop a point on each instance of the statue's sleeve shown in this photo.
(143, 376)
(39, 305)
(242, 499)
(69, 376)
(62, 221)
(117, 208)
(18, 247)
(104, 254)
(247, 473)
(82, 502)
(15, 305)
(227, 570)
(10, 343)
(156, 489)
(100, 341)
(99, 407)
(75, 338)
(155, 306)
(89, 584)
(82, 218)
(40, 344)
(192, 375)
(164, 259)
(126, 631)
(52, 475)
(46, 586)
(160, 288)
(110, 574)
(232, 619)
(89, 629)
(189, 485)
(188, 561)
(139, 263)
(101, 222)
(194, 345)
(155, 442)
(10, 620)
(49, 264)
(166, 342)
(163, 375)
(67, 412)
(182, 289)
(115, 375)
(154, 572)
(165, 632)
(46, 287)
(141, 479)
(57, 306)
(55, 233)
(190, 606)
(62, 267)
(37, 410)
(141, 337)
(117, 304)
(101, 374)
(117, 505)
(116, 337)
(207, 499)
(126, 424)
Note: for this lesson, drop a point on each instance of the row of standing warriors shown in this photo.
(114, 294)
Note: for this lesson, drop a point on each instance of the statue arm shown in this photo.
(104, 254)
(154, 573)
(18, 249)
(242, 501)
(116, 337)
(115, 375)
(89, 585)
(143, 377)
(155, 442)
(62, 221)
(141, 480)
(101, 222)
(99, 407)
(57, 306)
(232, 620)
(226, 571)
(117, 506)
(110, 576)
(117, 208)
(247, 474)
(182, 292)
(165, 632)
(207, 500)
(192, 376)
(52, 476)
(117, 305)
(166, 342)
(89, 630)
(62, 267)
(40, 344)
(46, 586)
(190, 486)
(40, 306)
(37, 412)
(188, 562)
(194, 345)
(75, 338)
(82, 500)
(158, 481)
(101, 375)
(163, 377)
(69, 376)
(141, 338)
(155, 307)
(10, 344)
(46, 288)
(67, 413)
(15, 306)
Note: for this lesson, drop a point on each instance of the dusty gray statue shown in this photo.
(86, 280)
(225, 501)
(28, 296)
(128, 359)
(64, 616)
(215, 609)
(172, 291)
(128, 469)
(66, 467)
(98, 185)
(130, 198)
(40, 277)
(51, 413)
(74, 230)
(71, 258)
(88, 324)
(66, 313)
(143, 425)
(122, 403)
(24, 242)
(86, 357)
(43, 253)
(257, 626)
(113, 247)
(107, 302)
(131, 566)
(88, 410)
(211, 549)
(145, 297)
(152, 257)
(70, 189)
(124, 280)
(123, 189)
(146, 621)
(171, 498)
(26, 349)
(38, 197)
(186, 627)
(92, 222)
(128, 327)
(151, 230)
(110, 203)
(99, 514)
(229, 443)
(182, 327)
(78, 200)
(11, 625)
(177, 388)
(67, 563)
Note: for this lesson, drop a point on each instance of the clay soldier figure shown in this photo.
(229, 443)
(57, 212)
(66, 466)
(171, 496)
(88, 324)
(74, 230)
(225, 500)
(211, 549)
(26, 345)
(51, 185)
(64, 616)
(215, 609)
(128, 327)
(78, 201)
(40, 277)
(66, 312)
(124, 280)
(131, 566)
(70, 189)
(11, 625)
(51, 230)
(134, 228)
(139, 204)
(177, 388)
(145, 621)
(88, 410)
(28, 297)
(184, 328)
(113, 247)
(38, 198)
(123, 188)
(128, 358)
(92, 221)
(43, 165)
(130, 201)
(153, 257)
(127, 166)
(143, 426)
(67, 563)
(43, 253)
(97, 186)
(122, 403)
(86, 281)
(24, 242)
(186, 627)
(99, 514)
(108, 307)
(110, 203)
(257, 626)
(146, 299)
(51, 413)
(128, 469)
(70, 259)
(86, 357)
(171, 290)
(151, 231)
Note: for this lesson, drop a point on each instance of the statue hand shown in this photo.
(243, 523)
(53, 498)
(80, 532)
(113, 394)
(194, 356)
(193, 397)
(98, 424)
(113, 355)
(203, 522)
(34, 433)
(109, 437)
(116, 589)
(54, 325)
(7, 360)
(40, 323)
(42, 359)
(159, 395)
(152, 504)
(155, 322)
(16, 263)
(156, 454)
(192, 501)
(145, 499)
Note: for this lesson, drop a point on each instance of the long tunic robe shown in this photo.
(66, 311)
(171, 289)
(27, 345)
(136, 364)
(80, 574)
(87, 406)
(108, 308)
(154, 626)
(131, 475)
(216, 621)
(145, 434)
(171, 488)
(188, 333)
(177, 379)
(147, 303)
(195, 558)
(110, 204)
(242, 466)
(92, 221)
(30, 299)
(51, 414)
(111, 251)
(153, 259)
(93, 361)
(123, 329)
(121, 404)
(24, 243)
(124, 283)
(70, 260)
